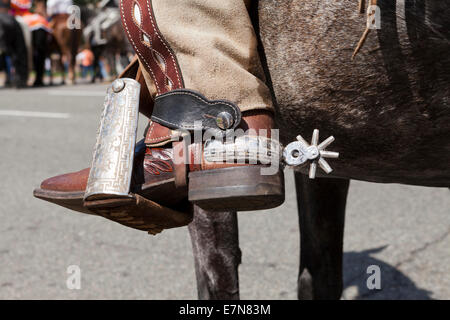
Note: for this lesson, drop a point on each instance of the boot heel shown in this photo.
(236, 189)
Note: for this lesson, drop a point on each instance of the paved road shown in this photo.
(403, 229)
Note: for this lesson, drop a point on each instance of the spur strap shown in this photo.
(189, 110)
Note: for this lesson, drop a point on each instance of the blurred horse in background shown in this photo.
(105, 35)
(65, 21)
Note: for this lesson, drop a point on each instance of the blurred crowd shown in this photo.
(56, 41)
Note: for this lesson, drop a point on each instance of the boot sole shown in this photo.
(228, 189)
(162, 192)
(72, 200)
(241, 188)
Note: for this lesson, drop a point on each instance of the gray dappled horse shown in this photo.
(389, 110)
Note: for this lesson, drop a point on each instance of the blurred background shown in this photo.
(50, 128)
(56, 42)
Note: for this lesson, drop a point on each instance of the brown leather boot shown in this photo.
(213, 186)
(167, 172)
(237, 185)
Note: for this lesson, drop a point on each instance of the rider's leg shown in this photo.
(211, 43)
(39, 38)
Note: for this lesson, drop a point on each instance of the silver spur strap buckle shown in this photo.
(300, 152)
(258, 149)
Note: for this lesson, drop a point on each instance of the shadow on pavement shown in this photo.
(394, 283)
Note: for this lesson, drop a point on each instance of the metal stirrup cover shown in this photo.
(188, 109)
(112, 162)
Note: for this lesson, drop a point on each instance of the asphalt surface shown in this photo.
(43, 132)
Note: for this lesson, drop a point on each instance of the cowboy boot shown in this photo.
(233, 165)
(163, 178)
(213, 174)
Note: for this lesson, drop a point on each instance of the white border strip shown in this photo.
(34, 114)
(76, 93)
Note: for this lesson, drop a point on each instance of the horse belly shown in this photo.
(389, 109)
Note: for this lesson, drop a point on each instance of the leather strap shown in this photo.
(154, 52)
(180, 165)
(183, 109)
(131, 70)
(157, 134)
(145, 98)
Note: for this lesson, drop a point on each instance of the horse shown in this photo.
(387, 103)
(67, 31)
(40, 34)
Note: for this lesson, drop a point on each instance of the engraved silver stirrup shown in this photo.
(112, 162)
(300, 152)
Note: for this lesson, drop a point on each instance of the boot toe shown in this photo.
(75, 181)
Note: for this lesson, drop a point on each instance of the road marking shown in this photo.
(77, 93)
(34, 114)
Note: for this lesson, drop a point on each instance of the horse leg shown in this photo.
(70, 69)
(17, 49)
(111, 62)
(96, 73)
(7, 68)
(321, 207)
(72, 53)
(62, 68)
(49, 72)
(215, 245)
(39, 38)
